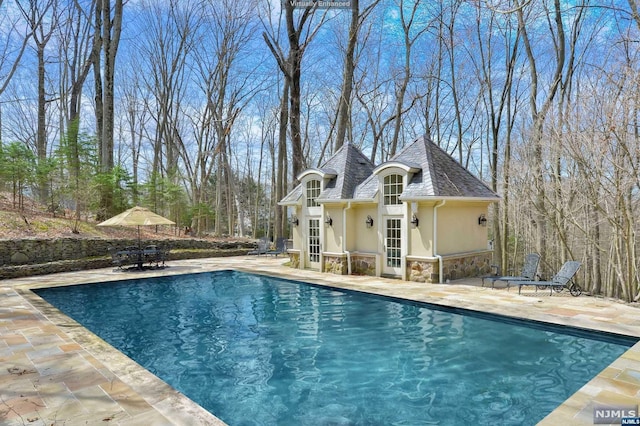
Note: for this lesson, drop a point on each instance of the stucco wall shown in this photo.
(421, 237)
(296, 231)
(333, 233)
(359, 237)
(458, 229)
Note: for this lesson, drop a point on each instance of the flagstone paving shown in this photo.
(54, 372)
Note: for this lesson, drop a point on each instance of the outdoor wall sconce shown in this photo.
(329, 221)
(294, 220)
(482, 220)
(414, 220)
(369, 222)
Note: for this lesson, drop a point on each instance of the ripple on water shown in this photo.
(260, 351)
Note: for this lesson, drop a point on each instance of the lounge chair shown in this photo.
(528, 272)
(263, 246)
(281, 247)
(559, 280)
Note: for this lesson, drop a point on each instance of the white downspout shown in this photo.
(435, 239)
(344, 237)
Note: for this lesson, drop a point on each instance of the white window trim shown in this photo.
(312, 210)
(392, 208)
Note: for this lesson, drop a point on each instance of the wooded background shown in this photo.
(207, 110)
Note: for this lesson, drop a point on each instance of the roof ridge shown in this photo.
(433, 177)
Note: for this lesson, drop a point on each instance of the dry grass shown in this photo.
(34, 221)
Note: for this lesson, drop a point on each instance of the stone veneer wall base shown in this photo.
(336, 264)
(464, 265)
(467, 265)
(454, 267)
(362, 264)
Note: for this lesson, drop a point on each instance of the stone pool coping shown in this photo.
(54, 371)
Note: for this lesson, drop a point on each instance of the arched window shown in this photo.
(313, 191)
(391, 189)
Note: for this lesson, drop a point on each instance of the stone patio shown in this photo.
(53, 371)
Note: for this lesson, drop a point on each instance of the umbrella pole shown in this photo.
(139, 250)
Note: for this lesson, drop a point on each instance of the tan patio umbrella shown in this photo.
(137, 216)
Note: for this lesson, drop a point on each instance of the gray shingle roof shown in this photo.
(349, 166)
(293, 197)
(353, 168)
(439, 176)
(367, 189)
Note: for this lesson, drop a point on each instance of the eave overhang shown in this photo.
(322, 173)
(438, 198)
(407, 167)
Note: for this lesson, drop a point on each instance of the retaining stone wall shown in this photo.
(20, 258)
(33, 251)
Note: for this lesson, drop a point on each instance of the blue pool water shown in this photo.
(255, 350)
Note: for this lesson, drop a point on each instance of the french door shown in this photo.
(392, 246)
(313, 244)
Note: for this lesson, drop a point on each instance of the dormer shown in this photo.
(393, 176)
(313, 182)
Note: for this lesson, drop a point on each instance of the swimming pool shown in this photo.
(258, 350)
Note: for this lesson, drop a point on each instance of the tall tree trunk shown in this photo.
(281, 184)
(111, 27)
(538, 116)
(41, 134)
(290, 66)
(344, 102)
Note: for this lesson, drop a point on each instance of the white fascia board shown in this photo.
(322, 173)
(346, 200)
(431, 198)
(407, 167)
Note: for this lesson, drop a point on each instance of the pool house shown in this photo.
(420, 216)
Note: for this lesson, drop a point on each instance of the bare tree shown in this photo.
(137, 119)
(540, 108)
(78, 47)
(42, 19)
(172, 29)
(108, 28)
(10, 52)
(409, 20)
(344, 102)
(299, 32)
(501, 111)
